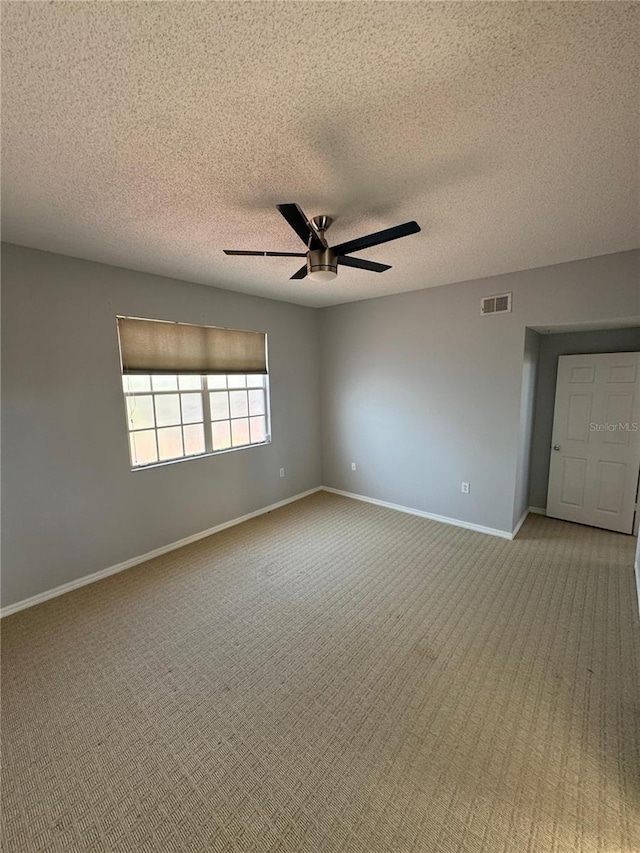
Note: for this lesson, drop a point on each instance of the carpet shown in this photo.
(333, 677)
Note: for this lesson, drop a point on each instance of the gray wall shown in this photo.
(422, 392)
(418, 389)
(71, 504)
(552, 346)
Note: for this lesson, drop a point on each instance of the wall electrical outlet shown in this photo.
(282, 472)
(465, 488)
(353, 466)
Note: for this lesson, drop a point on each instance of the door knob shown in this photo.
(556, 447)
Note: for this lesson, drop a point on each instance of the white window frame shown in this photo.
(205, 390)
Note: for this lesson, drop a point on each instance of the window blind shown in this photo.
(155, 346)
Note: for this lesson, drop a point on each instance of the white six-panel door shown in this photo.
(595, 456)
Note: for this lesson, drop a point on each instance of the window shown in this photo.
(174, 417)
(179, 415)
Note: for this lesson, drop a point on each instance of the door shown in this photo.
(595, 456)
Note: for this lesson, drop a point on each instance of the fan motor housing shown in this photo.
(322, 260)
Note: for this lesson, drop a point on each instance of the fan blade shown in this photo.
(361, 264)
(302, 273)
(265, 254)
(377, 238)
(301, 225)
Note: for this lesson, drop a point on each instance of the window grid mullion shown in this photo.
(206, 413)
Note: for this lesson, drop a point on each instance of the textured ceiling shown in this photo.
(153, 135)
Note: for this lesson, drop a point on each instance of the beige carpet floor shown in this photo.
(333, 677)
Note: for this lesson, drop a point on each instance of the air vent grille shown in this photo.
(500, 304)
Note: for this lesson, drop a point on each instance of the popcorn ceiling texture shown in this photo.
(153, 135)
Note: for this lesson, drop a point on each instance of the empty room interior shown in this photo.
(320, 427)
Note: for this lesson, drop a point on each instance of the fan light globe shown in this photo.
(322, 275)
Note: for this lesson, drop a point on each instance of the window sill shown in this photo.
(199, 456)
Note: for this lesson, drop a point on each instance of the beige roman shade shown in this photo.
(154, 346)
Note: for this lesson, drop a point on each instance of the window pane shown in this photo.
(170, 443)
(164, 383)
(216, 382)
(258, 429)
(140, 412)
(191, 408)
(219, 405)
(143, 447)
(255, 381)
(189, 383)
(221, 435)
(237, 381)
(167, 409)
(238, 403)
(240, 432)
(136, 383)
(256, 402)
(193, 439)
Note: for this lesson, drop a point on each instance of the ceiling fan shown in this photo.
(322, 260)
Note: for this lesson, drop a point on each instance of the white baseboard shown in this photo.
(142, 558)
(456, 522)
(538, 510)
(520, 523)
(135, 561)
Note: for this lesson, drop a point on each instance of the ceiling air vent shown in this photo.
(500, 304)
